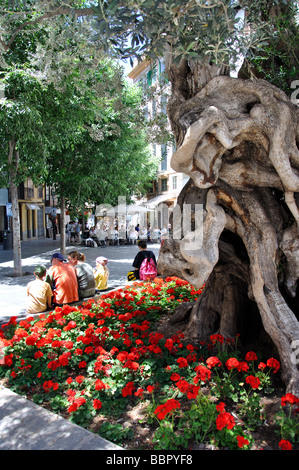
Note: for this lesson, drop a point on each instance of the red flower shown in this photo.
(72, 324)
(97, 404)
(202, 373)
(100, 385)
(182, 362)
(192, 391)
(213, 361)
(289, 398)
(80, 401)
(285, 445)
(273, 363)
(122, 356)
(31, 340)
(49, 384)
(225, 420)
(242, 442)
(150, 388)
(175, 377)
(220, 407)
(253, 381)
(128, 389)
(251, 356)
(139, 392)
(232, 363)
(79, 379)
(162, 410)
(38, 354)
(243, 366)
(217, 338)
(132, 365)
(72, 407)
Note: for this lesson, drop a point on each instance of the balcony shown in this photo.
(28, 193)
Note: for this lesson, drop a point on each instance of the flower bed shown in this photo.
(93, 363)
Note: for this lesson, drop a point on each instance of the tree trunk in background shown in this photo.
(238, 142)
(13, 167)
(62, 226)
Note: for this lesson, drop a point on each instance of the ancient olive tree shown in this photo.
(237, 139)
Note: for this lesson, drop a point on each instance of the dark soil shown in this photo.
(266, 437)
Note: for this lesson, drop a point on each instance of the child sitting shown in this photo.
(39, 292)
(101, 274)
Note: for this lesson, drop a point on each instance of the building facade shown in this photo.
(38, 212)
(165, 190)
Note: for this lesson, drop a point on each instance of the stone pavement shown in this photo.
(13, 289)
(23, 424)
(26, 426)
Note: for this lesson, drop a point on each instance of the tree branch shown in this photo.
(78, 12)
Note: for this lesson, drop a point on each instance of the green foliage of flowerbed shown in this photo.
(92, 362)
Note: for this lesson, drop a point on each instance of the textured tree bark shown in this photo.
(238, 142)
(13, 160)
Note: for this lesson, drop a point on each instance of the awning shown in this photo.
(134, 209)
(121, 209)
(159, 199)
(50, 210)
(33, 207)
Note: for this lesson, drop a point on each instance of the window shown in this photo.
(164, 184)
(163, 158)
(174, 182)
(149, 77)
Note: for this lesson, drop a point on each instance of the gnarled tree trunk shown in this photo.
(238, 142)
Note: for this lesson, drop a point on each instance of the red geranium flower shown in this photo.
(162, 410)
(217, 338)
(100, 385)
(289, 398)
(220, 407)
(243, 366)
(128, 389)
(242, 442)
(232, 363)
(273, 363)
(79, 379)
(175, 377)
(182, 362)
(97, 404)
(72, 407)
(213, 361)
(31, 340)
(202, 373)
(225, 420)
(285, 445)
(251, 356)
(254, 382)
